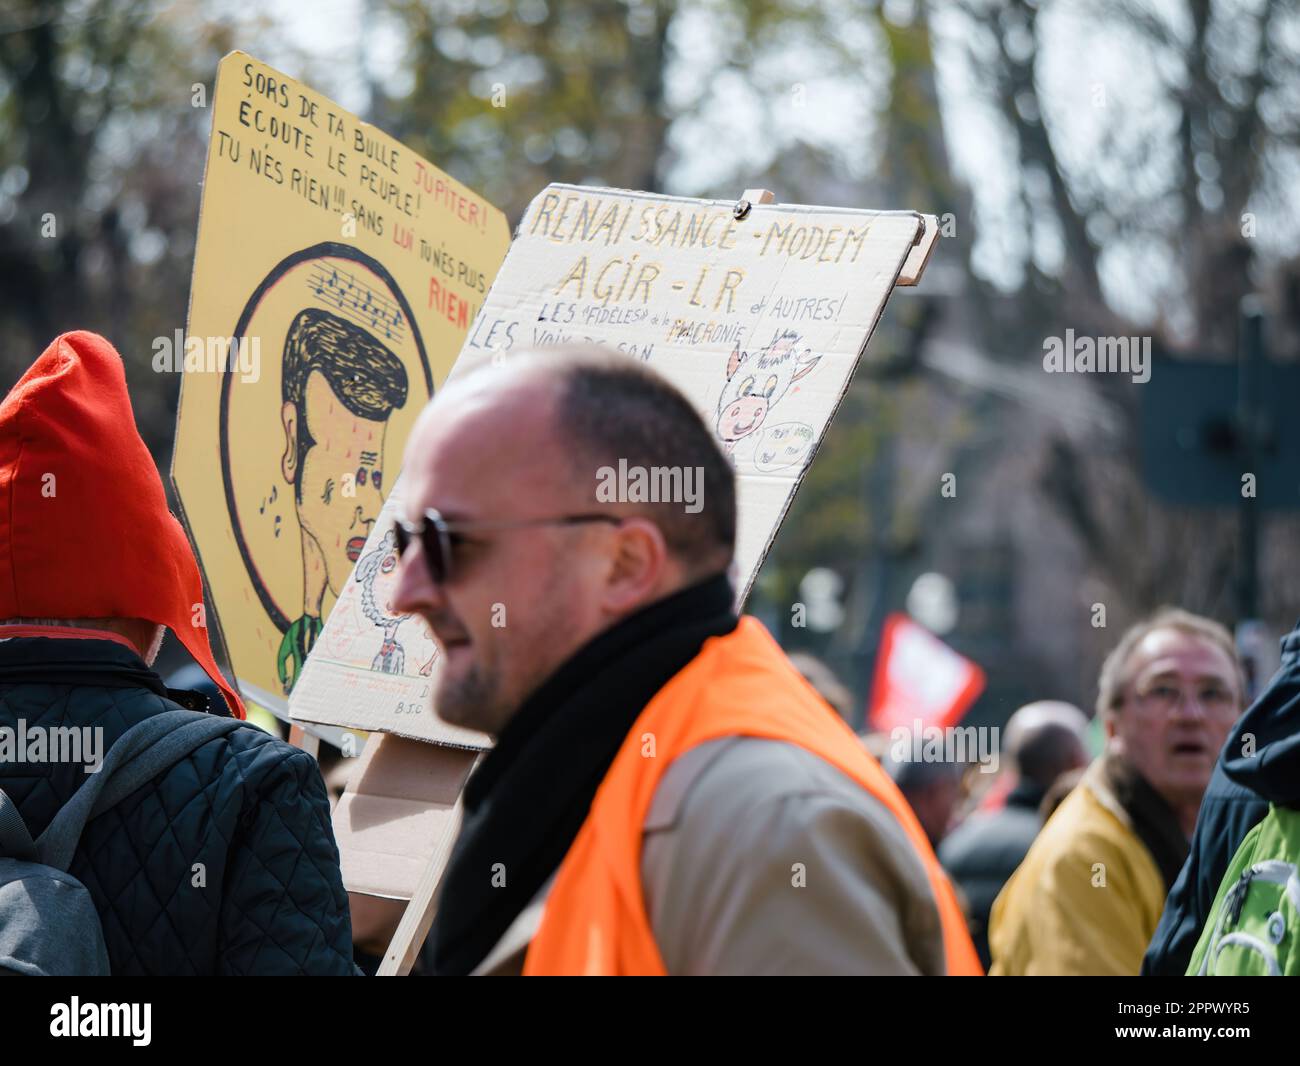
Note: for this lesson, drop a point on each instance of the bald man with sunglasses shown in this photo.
(666, 794)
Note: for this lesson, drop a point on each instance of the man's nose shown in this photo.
(1189, 707)
(415, 588)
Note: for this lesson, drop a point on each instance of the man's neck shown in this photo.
(658, 605)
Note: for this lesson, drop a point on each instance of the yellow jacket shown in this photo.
(1086, 899)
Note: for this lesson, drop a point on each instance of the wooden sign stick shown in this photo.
(418, 916)
(300, 738)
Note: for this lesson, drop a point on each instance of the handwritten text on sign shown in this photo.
(601, 289)
(300, 142)
(759, 319)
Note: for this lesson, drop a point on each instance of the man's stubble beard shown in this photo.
(469, 701)
(480, 699)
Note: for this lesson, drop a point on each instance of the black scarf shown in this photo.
(529, 797)
(1154, 821)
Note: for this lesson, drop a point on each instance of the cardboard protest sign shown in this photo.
(399, 813)
(920, 681)
(759, 312)
(335, 277)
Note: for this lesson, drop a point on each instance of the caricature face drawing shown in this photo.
(316, 366)
(339, 386)
(756, 383)
(310, 446)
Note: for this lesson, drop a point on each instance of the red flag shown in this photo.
(918, 677)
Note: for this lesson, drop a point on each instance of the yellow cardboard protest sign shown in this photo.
(335, 278)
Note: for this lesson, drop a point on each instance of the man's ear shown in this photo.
(289, 461)
(638, 566)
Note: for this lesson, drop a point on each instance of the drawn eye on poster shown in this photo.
(335, 276)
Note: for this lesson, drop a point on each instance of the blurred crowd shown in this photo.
(668, 792)
(1071, 860)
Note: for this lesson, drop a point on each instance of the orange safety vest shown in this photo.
(741, 684)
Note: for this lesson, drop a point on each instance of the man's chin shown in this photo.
(462, 697)
(450, 714)
(454, 713)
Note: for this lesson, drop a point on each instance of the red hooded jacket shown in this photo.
(84, 527)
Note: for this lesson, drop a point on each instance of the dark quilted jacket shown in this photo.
(226, 864)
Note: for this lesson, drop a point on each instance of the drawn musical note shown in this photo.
(355, 299)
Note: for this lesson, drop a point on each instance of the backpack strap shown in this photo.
(15, 840)
(139, 755)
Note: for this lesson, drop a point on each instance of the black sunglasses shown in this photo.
(435, 534)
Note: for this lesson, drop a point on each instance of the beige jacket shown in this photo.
(760, 858)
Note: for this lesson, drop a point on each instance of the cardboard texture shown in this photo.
(399, 814)
(760, 320)
(335, 277)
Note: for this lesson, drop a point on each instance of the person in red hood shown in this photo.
(226, 863)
